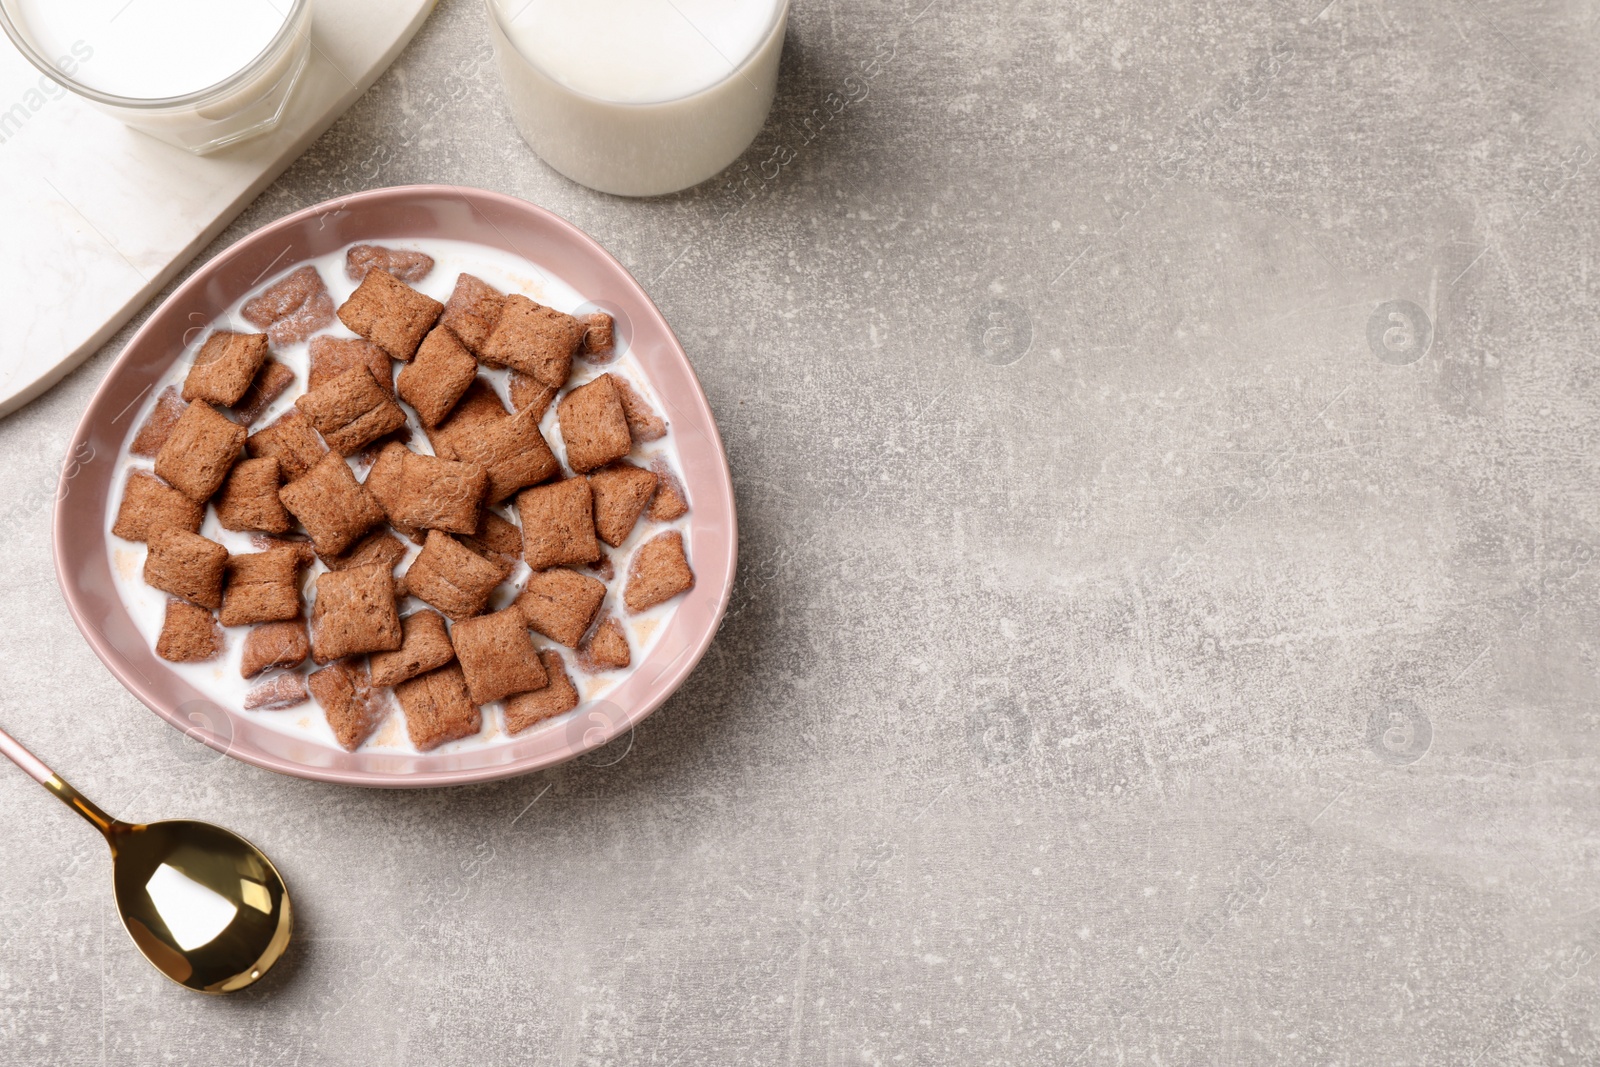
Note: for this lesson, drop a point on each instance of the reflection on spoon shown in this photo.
(194, 913)
(203, 904)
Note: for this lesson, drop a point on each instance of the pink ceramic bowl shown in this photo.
(416, 211)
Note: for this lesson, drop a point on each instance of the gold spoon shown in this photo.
(202, 903)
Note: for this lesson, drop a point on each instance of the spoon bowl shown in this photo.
(204, 905)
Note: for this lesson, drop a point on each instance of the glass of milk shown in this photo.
(199, 74)
(638, 97)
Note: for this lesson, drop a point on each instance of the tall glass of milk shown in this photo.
(199, 74)
(639, 97)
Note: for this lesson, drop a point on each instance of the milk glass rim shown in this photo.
(779, 18)
(274, 47)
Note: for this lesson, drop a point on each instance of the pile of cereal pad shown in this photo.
(291, 485)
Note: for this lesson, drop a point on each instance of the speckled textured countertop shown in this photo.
(1165, 441)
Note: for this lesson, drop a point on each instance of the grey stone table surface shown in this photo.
(1165, 440)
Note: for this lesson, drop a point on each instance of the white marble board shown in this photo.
(99, 217)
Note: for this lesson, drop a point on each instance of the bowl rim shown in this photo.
(665, 684)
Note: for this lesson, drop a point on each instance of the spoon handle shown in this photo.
(13, 751)
(35, 767)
